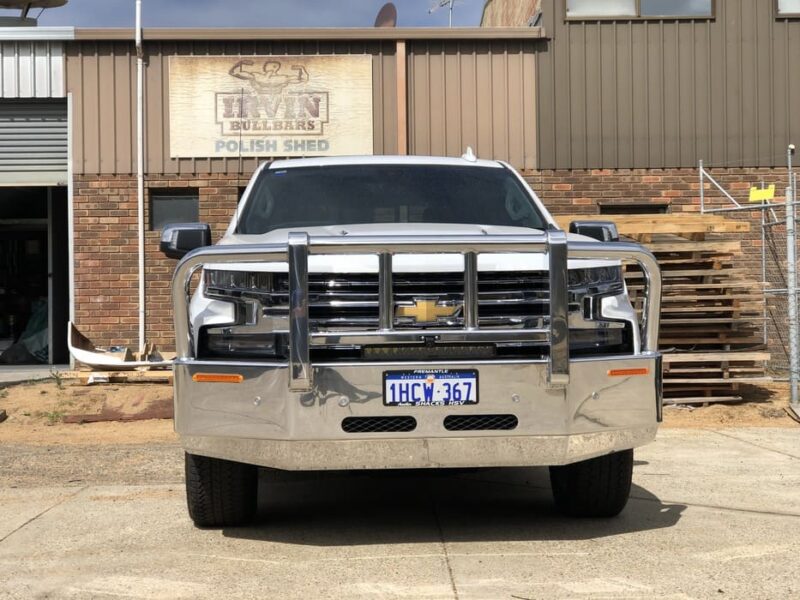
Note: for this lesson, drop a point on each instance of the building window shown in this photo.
(634, 208)
(789, 8)
(601, 8)
(645, 9)
(173, 206)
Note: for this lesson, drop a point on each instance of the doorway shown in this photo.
(34, 280)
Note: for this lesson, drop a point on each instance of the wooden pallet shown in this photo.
(712, 311)
(92, 377)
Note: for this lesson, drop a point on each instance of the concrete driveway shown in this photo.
(714, 514)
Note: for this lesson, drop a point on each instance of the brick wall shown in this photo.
(106, 259)
(578, 192)
(106, 297)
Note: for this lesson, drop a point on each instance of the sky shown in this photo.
(255, 13)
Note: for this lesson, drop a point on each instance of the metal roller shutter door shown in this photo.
(33, 142)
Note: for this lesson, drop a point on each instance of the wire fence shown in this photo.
(775, 263)
(775, 269)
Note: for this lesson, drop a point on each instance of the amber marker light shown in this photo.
(628, 372)
(217, 378)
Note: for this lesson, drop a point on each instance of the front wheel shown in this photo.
(220, 492)
(598, 487)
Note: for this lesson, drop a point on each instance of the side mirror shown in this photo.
(603, 231)
(178, 239)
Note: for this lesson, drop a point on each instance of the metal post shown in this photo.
(702, 191)
(764, 266)
(558, 372)
(385, 292)
(470, 290)
(791, 259)
(300, 373)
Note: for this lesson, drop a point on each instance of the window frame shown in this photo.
(639, 17)
(783, 15)
(607, 208)
(163, 193)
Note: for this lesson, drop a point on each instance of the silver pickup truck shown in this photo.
(408, 312)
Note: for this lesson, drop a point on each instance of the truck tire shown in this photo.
(220, 493)
(598, 487)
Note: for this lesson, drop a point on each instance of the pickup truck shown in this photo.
(401, 312)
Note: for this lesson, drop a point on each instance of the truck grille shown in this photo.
(379, 424)
(480, 422)
(342, 302)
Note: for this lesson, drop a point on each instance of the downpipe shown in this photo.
(140, 167)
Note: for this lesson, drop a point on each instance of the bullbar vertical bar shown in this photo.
(470, 290)
(300, 375)
(558, 368)
(385, 292)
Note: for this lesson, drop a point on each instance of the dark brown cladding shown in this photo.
(473, 93)
(101, 76)
(663, 93)
(464, 91)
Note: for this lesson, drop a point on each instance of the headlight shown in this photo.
(237, 342)
(254, 335)
(587, 287)
(616, 340)
(597, 280)
(238, 284)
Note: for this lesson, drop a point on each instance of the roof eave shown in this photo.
(37, 34)
(316, 33)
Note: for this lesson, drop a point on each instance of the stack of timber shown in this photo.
(88, 377)
(712, 311)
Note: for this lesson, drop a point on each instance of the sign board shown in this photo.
(232, 106)
(762, 195)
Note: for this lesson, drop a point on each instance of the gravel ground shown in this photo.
(35, 465)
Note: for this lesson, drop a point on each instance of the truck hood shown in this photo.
(403, 263)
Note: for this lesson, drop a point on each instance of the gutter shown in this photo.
(314, 33)
(37, 34)
(140, 166)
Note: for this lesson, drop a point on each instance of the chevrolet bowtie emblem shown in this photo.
(426, 311)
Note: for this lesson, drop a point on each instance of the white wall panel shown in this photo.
(31, 69)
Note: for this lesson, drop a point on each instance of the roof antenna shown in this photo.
(469, 155)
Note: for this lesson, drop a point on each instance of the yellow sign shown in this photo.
(232, 106)
(759, 195)
(426, 311)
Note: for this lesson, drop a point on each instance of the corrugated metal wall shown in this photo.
(102, 78)
(473, 93)
(657, 94)
(31, 69)
(33, 142)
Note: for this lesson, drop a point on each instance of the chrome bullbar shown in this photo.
(301, 338)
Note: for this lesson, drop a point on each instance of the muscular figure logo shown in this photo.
(268, 80)
(276, 106)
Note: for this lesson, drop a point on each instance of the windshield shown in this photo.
(361, 194)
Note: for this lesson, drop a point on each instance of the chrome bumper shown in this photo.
(289, 414)
(260, 422)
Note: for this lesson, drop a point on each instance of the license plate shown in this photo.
(430, 387)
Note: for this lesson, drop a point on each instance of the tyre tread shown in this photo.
(598, 487)
(219, 492)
